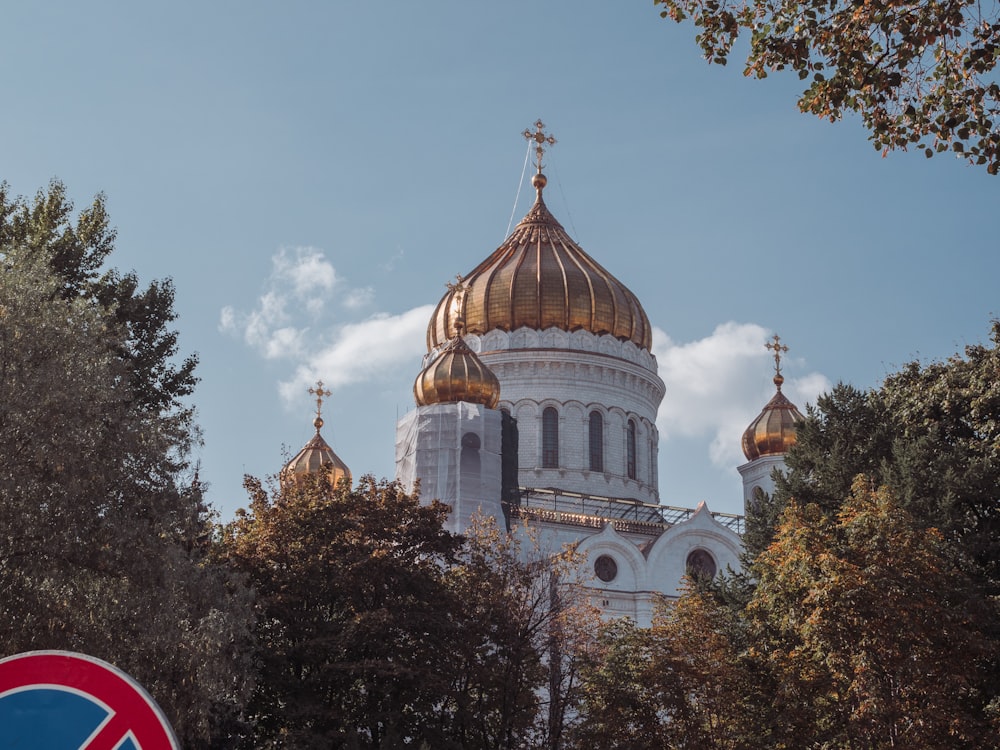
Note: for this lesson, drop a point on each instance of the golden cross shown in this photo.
(459, 289)
(778, 348)
(540, 138)
(319, 393)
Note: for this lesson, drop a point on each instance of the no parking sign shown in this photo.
(58, 700)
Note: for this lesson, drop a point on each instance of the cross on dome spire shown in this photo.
(458, 289)
(319, 393)
(778, 348)
(540, 139)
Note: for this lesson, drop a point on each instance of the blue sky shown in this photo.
(311, 175)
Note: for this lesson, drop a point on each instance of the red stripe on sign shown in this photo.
(133, 709)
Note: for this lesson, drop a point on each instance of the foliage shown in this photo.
(524, 631)
(932, 434)
(353, 612)
(681, 684)
(77, 251)
(946, 462)
(377, 627)
(103, 541)
(918, 72)
(619, 708)
(869, 631)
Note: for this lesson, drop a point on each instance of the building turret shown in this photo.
(769, 436)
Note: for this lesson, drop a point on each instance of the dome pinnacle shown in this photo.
(778, 348)
(540, 139)
(319, 393)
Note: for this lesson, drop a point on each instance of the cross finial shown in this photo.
(458, 289)
(319, 393)
(778, 348)
(540, 140)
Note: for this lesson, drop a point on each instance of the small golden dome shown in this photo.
(457, 374)
(316, 455)
(772, 433)
(540, 278)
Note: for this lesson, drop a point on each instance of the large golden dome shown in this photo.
(773, 432)
(540, 278)
(457, 374)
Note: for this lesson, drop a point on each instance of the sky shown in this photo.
(311, 174)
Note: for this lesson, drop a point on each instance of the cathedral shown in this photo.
(537, 405)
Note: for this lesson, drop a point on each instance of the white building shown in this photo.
(537, 403)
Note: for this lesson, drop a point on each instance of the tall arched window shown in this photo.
(596, 441)
(470, 466)
(630, 450)
(550, 438)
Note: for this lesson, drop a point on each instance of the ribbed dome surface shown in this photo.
(457, 374)
(316, 456)
(540, 278)
(773, 432)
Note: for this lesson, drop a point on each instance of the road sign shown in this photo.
(56, 700)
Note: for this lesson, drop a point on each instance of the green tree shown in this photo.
(103, 542)
(919, 73)
(77, 250)
(869, 631)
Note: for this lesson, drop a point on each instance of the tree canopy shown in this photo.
(378, 628)
(920, 73)
(103, 531)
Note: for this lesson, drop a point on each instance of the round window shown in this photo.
(700, 564)
(605, 568)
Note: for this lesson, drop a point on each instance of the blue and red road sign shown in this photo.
(58, 700)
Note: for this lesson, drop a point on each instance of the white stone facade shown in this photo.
(757, 476)
(454, 452)
(577, 374)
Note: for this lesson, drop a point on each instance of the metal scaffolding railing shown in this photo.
(625, 514)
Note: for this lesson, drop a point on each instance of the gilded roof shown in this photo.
(316, 455)
(773, 432)
(540, 278)
(457, 374)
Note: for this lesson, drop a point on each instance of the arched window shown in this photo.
(596, 441)
(630, 450)
(470, 466)
(550, 438)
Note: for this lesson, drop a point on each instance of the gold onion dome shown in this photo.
(773, 432)
(456, 374)
(316, 455)
(540, 278)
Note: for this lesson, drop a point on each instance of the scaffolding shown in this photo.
(624, 514)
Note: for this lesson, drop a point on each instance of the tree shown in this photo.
(869, 631)
(103, 541)
(919, 73)
(354, 629)
(523, 633)
(684, 683)
(77, 252)
(931, 433)
(377, 627)
(619, 707)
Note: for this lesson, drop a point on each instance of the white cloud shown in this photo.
(357, 298)
(306, 268)
(390, 265)
(369, 350)
(293, 303)
(718, 384)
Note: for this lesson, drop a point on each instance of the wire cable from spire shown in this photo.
(517, 197)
